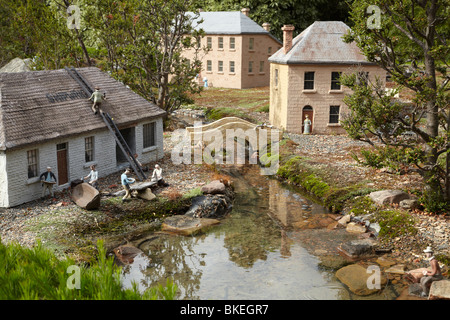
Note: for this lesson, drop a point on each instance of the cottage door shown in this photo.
(307, 110)
(61, 156)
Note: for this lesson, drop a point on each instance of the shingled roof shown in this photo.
(321, 43)
(39, 106)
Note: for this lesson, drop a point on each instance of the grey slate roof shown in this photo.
(321, 43)
(38, 106)
(228, 23)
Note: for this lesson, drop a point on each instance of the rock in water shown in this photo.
(186, 225)
(209, 206)
(356, 278)
(128, 254)
(356, 249)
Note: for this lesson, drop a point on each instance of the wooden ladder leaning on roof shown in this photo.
(111, 126)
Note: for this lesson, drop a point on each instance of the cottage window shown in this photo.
(232, 68)
(334, 114)
(149, 135)
(32, 160)
(232, 43)
(309, 81)
(89, 149)
(220, 66)
(251, 43)
(209, 42)
(269, 50)
(250, 67)
(220, 42)
(209, 65)
(335, 84)
(276, 77)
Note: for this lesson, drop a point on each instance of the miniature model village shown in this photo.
(86, 160)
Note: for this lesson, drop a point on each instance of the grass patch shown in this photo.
(395, 223)
(37, 274)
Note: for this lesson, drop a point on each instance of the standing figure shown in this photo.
(126, 184)
(97, 97)
(48, 179)
(93, 175)
(307, 125)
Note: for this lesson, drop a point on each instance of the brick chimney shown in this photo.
(288, 31)
(245, 11)
(266, 26)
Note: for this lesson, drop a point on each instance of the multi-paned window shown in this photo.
(232, 43)
(89, 149)
(149, 135)
(269, 50)
(33, 165)
(251, 43)
(261, 66)
(209, 65)
(220, 66)
(232, 68)
(220, 42)
(309, 80)
(250, 67)
(209, 42)
(335, 84)
(334, 114)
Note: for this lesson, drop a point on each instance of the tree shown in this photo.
(299, 13)
(410, 43)
(145, 41)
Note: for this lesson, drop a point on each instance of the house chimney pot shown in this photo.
(288, 31)
(245, 11)
(266, 26)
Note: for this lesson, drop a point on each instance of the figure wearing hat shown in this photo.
(97, 97)
(425, 276)
(48, 179)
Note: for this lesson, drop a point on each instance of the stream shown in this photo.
(274, 245)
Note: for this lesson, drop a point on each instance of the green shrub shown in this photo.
(37, 274)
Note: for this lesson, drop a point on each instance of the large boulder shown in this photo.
(356, 278)
(214, 187)
(209, 206)
(384, 197)
(357, 249)
(440, 290)
(185, 225)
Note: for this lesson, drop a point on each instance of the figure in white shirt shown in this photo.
(157, 175)
(93, 175)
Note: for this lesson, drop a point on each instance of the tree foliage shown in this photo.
(299, 13)
(411, 44)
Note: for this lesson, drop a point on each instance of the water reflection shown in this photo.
(254, 253)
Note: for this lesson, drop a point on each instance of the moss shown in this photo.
(363, 205)
(394, 223)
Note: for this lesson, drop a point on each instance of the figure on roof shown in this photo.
(97, 97)
(48, 179)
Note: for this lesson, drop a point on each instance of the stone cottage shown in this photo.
(305, 77)
(46, 120)
(239, 49)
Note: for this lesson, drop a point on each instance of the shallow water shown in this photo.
(268, 247)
